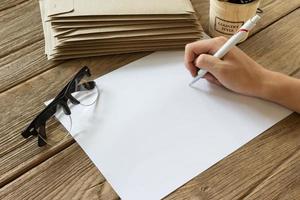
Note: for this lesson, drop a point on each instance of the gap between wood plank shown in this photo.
(31, 77)
(22, 47)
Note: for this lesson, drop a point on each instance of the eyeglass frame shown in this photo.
(38, 125)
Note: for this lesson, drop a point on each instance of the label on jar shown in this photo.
(227, 27)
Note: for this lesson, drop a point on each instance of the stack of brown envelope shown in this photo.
(83, 28)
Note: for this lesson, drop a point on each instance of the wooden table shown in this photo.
(266, 168)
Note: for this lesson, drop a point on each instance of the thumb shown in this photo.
(207, 62)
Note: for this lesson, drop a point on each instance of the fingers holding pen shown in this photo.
(193, 50)
(207, 62)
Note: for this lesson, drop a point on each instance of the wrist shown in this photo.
(271, 86)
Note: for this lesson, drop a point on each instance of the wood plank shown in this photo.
(232, 178)
(286, 176)
(28, 62)
(64, 164)
(8, 4)
(19, 33)
(20, 27)
(283, 57)
(21, 45)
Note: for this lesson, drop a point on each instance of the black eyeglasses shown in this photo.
(38, 126)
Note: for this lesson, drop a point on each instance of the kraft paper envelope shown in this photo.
(57, 32)
(86, 50)
(136, 40)
(69, 25)
(55, 42)
(123, 43)
(87, 31)
(140, 39)
(114, 48)
(100, 44)
(128, 34)
(95, 29)
(125, 34)
(111, 53)
(49, 32)
(75, 8)
(123, 28)
(189, 17)
(138, 46)
(117, 51)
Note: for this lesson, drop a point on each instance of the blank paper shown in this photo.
(148, 124)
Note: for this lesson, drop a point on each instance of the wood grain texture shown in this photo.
(8, 4)
(247, 173)
(277, 47)
(70, 178)
(21, 45)
(286, 176)
(20, 26)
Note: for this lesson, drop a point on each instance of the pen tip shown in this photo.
(195, 80)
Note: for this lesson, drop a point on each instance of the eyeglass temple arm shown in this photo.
(85, 71)
(73, 86)
(42, 135)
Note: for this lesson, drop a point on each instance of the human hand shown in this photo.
(236, 71)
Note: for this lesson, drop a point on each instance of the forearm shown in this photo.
(281, 89)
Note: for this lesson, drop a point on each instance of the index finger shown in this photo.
(193, 50)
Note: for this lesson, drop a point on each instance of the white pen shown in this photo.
(236, 38)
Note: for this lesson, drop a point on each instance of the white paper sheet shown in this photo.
(150, 133)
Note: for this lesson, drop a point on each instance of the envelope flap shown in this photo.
(122, 7)
(55, 7)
